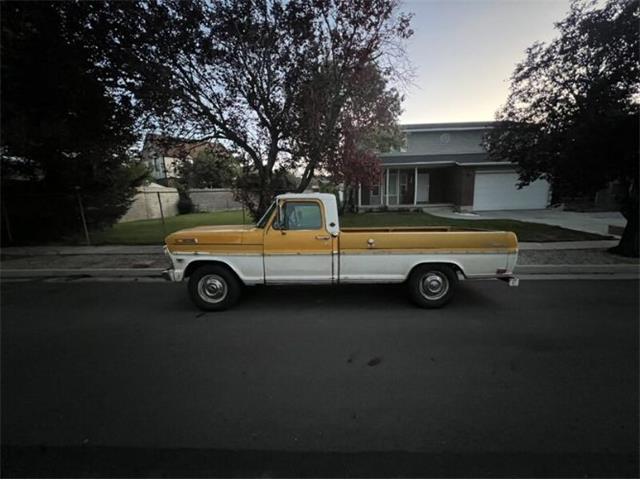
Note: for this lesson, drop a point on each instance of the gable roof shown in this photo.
(168, 146)
(450, 126)
(461, 159)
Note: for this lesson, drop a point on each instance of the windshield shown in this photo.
(265, 218)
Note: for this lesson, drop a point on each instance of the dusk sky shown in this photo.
(464, 51)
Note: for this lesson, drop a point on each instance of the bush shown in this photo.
(185, 204)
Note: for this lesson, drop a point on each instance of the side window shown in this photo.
(302, 216)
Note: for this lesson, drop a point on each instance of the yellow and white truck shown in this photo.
(299, 241)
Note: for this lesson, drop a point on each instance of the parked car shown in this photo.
(299, 241)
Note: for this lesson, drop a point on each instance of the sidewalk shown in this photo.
(149, 260)
(592, 222)
(157, 249)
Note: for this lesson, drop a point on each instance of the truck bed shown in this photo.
(408, 229)
(426, 239)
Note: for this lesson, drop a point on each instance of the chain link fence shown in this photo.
(78, 218)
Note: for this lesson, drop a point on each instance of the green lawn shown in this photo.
(145, 232)
(149, 232)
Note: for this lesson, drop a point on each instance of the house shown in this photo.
(446, 164)
(162, 153)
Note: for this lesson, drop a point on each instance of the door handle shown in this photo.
(323, 237)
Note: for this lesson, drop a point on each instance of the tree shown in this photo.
(271, 79)
(572, 113)
(209, 168)
(61, 132)
(366, 128)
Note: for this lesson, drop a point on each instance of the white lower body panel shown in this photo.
(395, 267)
(346, 268)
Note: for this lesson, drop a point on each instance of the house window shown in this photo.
(405, 142)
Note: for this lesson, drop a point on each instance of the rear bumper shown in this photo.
(509, 278)
(512, 280)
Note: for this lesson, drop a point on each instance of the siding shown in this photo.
(445, 142)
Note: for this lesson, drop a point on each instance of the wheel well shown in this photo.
(191, 267)
(456, 268)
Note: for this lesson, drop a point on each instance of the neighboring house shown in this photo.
(445, 164)
(162, 154)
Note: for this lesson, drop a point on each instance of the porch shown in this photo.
(406, 187)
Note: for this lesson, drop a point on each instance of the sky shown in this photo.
(464, 51)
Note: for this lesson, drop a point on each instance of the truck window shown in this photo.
(265, 218)
(302, 216)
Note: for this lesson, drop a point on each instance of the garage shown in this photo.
(498, 191)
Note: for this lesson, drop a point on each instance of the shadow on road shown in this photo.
(347, 297)
(193, 463)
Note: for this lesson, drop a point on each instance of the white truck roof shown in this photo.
(330, 207)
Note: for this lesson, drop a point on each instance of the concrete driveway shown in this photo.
(592, 222)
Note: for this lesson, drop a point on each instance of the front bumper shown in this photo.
(169, 274)
(175, 273)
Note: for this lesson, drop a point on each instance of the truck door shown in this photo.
(298, 249)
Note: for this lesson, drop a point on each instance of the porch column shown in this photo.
(386, 190)
(359, 195)
(415, 187)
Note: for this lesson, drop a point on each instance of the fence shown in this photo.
(79, 218)
(156, 201)
(29, 218)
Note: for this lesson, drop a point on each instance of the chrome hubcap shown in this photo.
(212, 288)
(434, 285)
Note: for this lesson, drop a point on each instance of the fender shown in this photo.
(249, 268)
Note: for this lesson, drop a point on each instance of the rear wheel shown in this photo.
(432, 286)
(213, 288)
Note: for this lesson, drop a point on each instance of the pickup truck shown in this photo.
(299, 241)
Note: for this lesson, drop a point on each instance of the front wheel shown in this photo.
(432, 286)
(212, 288)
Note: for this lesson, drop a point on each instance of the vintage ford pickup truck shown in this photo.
(299, 241)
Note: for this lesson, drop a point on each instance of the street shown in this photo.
(127, 378)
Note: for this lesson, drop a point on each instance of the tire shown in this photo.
(432, 286)
(214, 288)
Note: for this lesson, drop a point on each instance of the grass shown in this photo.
(146, 232)
(149, 232)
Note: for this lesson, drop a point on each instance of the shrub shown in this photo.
(185, 204)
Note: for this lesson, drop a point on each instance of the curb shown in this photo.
(99, 250)
(157, 272)
(80, 272)
(578, 269)
(159, 249)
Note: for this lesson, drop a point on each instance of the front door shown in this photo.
(299, 250)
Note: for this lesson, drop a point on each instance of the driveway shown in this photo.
(592, 222)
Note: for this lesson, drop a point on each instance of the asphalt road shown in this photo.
(129, 379)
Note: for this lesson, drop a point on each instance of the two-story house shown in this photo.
(446, 164)
(162, 154)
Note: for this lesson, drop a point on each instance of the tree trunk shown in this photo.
(628, 245)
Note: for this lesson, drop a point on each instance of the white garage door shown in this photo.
(498, 191)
